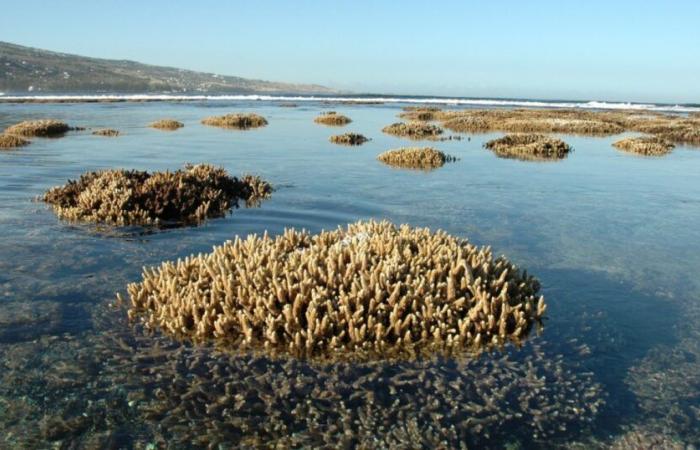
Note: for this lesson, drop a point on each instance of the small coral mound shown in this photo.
(11, 141)
(413, 130)
(167, 124)
(537, 147)
(645, 145)
(371, 289)
(421, 113)
(425, 158)
(39, 128)
(107, 132)
(332, 118)
(239, 121)
(121, 197)
(349, 139)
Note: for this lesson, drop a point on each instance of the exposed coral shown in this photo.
(12, 141)
(122, 197)
(529, 147)
(236, 120)
(108, 132)
(332, 118)
(371, 289)
(349, 139)
(39, 128)
(413, 130)
(167, 124)
(422, 113)
(416, 158)
(645, 145)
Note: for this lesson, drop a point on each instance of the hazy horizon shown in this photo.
(542, 50)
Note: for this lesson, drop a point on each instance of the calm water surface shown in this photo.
(614, 239)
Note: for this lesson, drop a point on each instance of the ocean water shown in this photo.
(612, 237)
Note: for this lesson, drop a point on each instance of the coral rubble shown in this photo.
(425, 158)
(332, 118)
(348, 139)
(529, 147)
(131, 197)
(645, 145)
(236, 120)
(371, 289)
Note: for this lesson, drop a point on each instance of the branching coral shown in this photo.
(167, 124)
(349, 139)
(370, 289)
(108, 132)
(12, 141)
(236, 120)
(39, 128)
(122, 197)
(416, 158)
(529, 147)
(645, 145)
(413, 130)
(332, 118)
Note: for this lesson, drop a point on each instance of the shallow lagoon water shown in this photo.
(612, 237)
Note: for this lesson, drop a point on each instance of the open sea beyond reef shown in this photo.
(612, 237)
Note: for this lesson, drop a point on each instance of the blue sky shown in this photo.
(604, 50)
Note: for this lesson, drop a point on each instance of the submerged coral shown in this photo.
(39, 128)
(133, 197)
(12, 141)
(332, 118)
(529, 147)
(349, 139)
(236, 120)
(108, 132)
(645, 145)
(413, 130)
(167, 124)
(370, 289)
(416, 158)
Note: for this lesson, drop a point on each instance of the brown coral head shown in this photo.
(131, 197)
(413, 130)
(529, 147)
(167, 124)
(238, 121)
(39, 128)
(8, 141)
(106, 132)
(332, 118)
(424, 158)
(348, 139)
(371, 290)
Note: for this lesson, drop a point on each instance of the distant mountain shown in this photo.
(27, 69)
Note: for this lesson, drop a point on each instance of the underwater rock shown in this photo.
(645, 145)
(107, 132)
(371, 289)
(425, 158)
(131, 197)
(11, 141)
(39, 128)
(536, 147)
(413, 130)
(348, 139)
(332, 118)
(238, 121)
(167, 124)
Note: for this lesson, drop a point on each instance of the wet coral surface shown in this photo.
(236, 120)
(534, 147)
(424, 158)
(607, 235)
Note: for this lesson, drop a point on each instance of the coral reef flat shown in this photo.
(613, 362)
